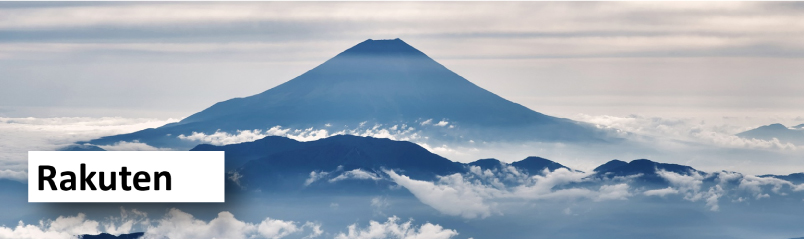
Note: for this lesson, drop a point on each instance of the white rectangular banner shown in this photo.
(126, 176)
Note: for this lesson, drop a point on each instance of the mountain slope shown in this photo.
(776, 131)
(644, 171)
(380, 82)
(279, 163)
(288, 166)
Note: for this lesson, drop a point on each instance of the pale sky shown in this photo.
(142, 59)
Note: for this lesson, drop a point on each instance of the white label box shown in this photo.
(139, 176)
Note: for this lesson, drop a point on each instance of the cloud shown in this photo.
(355, 174)
(20, 135)
(453, 196)
(686, 129)
(378, 204)
(21, 176)
(426, 122)
(755, 185)
(181, 225)
(690, 186)
(315, 176)
(176, 224)
(477, 193)
(395, 132)
(442, 123)
(62, 227)
(661, 192)
(394, 229)
(224, 138)
(613, 192)
(135, 145)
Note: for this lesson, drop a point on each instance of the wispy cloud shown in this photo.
(175, 224)
(393, 228)
(481, 193)
(20, 135)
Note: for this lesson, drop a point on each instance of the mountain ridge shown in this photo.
(380, 82)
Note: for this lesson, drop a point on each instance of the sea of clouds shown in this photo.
(177, 224)
(668, 140)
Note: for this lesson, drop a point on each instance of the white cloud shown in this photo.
(394, 229)
(686, 129)
(477, 193)
(613, 192)
(272, 228)
(690, 186)
(454, 196)
(176, 224)
(20, 135)
(426, 122)
(136, 145)
(315, 176)
(661, 192)
(21, 176)
(62, 228)
(442, 123)
(355, 174)
(394, 132)
(181, 225)
(224, 138)
(754, 185)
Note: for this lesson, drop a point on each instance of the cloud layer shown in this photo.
(479, 193)
(20, 135)
(177, 224)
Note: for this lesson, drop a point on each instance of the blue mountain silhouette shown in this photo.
(81, 147)
(134, 235)
(279, 163)
(644, 171)
(377, 81)
(531, 165)
(778, 131)
(796, 178)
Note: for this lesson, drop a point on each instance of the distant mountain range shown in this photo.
(784, 134)
(110, 236)
(385, 82)
(278, 163)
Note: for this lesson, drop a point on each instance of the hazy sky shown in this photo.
(172, 59)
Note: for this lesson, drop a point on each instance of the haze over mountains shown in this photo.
(354, 164)
(794, 135)
(379, 82)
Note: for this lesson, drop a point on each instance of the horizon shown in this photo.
(382, 120)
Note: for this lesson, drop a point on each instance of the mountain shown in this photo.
(9, 187)
(487, 163)
(134, 235)
(238, 154)
(797, 178)
(610, 165)
(278, 163)
(531, 165)
(535, 165)
(793, 135)
(385, 82)
(81, 147)
(643, 170)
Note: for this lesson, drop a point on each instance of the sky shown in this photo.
(678, 71)
(685, 75)
(169, 60)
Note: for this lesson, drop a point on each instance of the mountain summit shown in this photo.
(381, 82)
